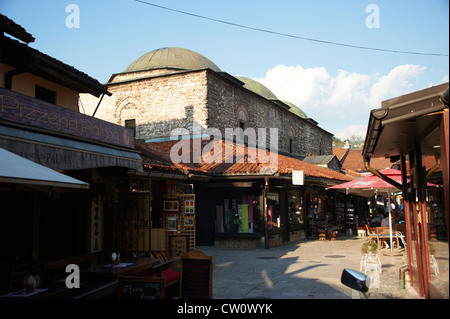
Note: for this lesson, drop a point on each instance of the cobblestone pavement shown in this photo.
(307, 269)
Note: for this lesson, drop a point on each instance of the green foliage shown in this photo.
(369, 248)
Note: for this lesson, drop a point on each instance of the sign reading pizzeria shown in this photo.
(19, 108)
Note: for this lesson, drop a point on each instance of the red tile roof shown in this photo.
(339, 152)
(157, 154)
(355, 162)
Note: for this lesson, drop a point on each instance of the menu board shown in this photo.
(134, 287)
(178, 246)
(196, 276)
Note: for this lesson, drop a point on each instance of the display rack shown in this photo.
(340, 212)
(183, 222)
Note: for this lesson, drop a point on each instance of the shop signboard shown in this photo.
(196, 276)
(22, 109)
(297, 177)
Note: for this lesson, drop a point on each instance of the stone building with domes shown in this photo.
(173, 88)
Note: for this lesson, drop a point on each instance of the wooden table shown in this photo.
(125, 268)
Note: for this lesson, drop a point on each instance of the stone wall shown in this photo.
(225, 99)
(158, 104)
(161, 103)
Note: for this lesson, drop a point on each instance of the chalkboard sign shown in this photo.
(196, 276)
(134, 287)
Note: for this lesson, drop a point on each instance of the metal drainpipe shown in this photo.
(385, 178)
(371, 169)
(9, 75)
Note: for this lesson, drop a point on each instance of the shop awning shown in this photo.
(19, 170)
(62, 153)
(395, 127)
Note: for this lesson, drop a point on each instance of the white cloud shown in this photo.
(342, 103)
(296, 84)
(352, 130)
(395, 83)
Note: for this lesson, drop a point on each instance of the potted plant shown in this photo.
(370, 260)
(369, 248)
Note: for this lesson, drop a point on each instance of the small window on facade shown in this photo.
(44, 94)
(291, 145)
(131, 124)
(243, 137)
(242, 125)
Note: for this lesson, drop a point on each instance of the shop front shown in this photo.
(235, 218)
(57, 221)
(413, 129)
(263, 213)
(238, 206)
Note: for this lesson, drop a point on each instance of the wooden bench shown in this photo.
(167, 269)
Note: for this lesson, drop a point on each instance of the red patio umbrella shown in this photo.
(371, 184)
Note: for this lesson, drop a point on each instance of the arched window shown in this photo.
(243, 119)
(291, 139)
(127, 111)
(242, 116)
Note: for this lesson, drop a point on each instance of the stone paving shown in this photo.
(307, 269)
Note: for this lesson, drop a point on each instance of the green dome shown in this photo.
(171, 58)
(257, 87)
(296, 110)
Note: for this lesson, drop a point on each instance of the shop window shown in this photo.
(238, 214)
(131, 124)
(273, 211)
(437, 227)
(44, 94)
(295, 206)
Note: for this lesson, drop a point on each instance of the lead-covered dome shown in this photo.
(171, 58)
(257, 87)
(296, 110)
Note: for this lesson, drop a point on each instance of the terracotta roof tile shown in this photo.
(227, 165)
(355, 162)
(339, 152)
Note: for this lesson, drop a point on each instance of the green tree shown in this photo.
(337, 142)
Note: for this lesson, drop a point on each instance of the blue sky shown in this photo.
(335, 85)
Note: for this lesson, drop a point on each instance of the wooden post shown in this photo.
(444, 163)
(266, 235)
(36, 229)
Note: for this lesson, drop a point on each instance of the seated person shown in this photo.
(375, 221)
(385, 222)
